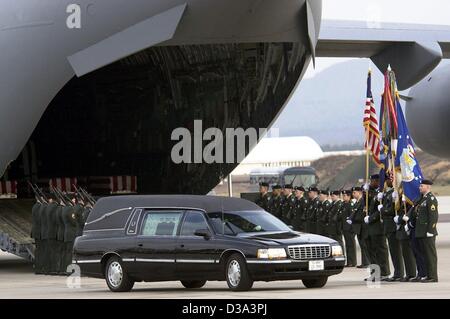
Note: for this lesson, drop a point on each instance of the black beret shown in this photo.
(357, 189)
(50, 196)
(313, 189)
(347, 192)
(337, 193)
(375, 176)
(264, 184)
(288, 186)
(426, 182)
(300, 188)
(325, 192)
(276, 187)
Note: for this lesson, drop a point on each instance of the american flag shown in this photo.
(371, 124)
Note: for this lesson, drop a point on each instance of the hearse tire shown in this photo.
(236, 273)
(315, 283)
(193, 284)
(116, 277)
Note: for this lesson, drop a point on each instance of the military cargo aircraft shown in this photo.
(101, 96)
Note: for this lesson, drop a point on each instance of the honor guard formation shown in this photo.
(57, 219)
(407, 235)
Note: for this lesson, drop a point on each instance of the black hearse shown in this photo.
(194, 239)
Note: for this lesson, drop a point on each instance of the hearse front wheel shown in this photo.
(193, 284)
(116, 277)
(236, 273)
(315, 283)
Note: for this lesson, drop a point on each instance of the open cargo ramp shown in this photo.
(15, 228)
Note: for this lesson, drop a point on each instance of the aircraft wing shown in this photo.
(413, 50)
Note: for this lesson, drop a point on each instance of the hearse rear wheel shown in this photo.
(193, 284)
(236, 273)
(315, 283)
(116, 277)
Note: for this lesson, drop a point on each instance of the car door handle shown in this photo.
(141, 245)
(182, 245)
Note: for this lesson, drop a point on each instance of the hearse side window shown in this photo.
(193, 221)
(215, 219)
(161, 223)
(234, 223)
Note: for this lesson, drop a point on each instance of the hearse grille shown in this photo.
(305, 252)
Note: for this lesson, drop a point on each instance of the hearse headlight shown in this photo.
(336, 251)
(272, 253)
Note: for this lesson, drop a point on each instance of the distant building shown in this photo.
(281, 152)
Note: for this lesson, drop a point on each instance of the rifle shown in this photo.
(83, 194)
(61, 198)
(90, 199)
(54, 192)
(64, 196)
(40, 193)
(292, 183)
(78, 192)
(37, 196)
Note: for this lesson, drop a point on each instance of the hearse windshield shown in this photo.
(233, 224)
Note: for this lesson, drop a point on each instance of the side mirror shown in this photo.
(291, 227)
(205, 233)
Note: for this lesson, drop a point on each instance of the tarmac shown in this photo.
(18, 281)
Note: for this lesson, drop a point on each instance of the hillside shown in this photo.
(343, 172)
(329, 107)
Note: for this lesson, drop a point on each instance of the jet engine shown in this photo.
(428, 112)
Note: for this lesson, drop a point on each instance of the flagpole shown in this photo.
(367, 168)
(367, 158)
(394, 178)
(394, 144)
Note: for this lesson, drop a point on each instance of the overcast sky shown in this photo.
(403, 11)
(435, 12)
